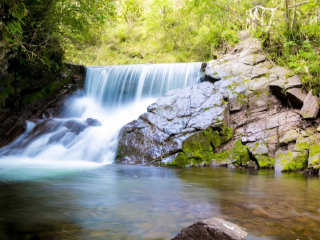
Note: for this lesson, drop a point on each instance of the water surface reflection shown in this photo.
(129, 202)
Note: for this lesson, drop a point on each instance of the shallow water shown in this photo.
(131, 202)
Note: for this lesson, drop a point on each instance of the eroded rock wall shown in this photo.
(249, 112)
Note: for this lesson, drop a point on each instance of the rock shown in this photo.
(93, 122)
(203, 66)
(211, 79)
(212, 229)
(258, 148)
(302, 144)
(245, 140)
(314, 155)
(310, 108)
(281, 86)
(238, 154)
(260, 212)
(290, 161)
(75, 126)
(191, 122)
(252, 165)
(289, 136)
(265, 161)
(296, 97)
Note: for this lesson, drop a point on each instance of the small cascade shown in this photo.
(87, 129)
(115, 86)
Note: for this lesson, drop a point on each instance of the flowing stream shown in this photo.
(56, 180)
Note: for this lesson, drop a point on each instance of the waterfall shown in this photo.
(87, 129)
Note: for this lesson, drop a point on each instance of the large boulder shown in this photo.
(185, 126)
(212, 229)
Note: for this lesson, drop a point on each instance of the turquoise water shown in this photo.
(132, 202)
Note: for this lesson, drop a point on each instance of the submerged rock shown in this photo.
(212, 229)
(93, 122)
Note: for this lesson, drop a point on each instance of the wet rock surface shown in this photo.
(259, 101)
(212, 229)
(187, 123)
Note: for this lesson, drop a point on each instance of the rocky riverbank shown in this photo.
(39, 104)
(248, 112)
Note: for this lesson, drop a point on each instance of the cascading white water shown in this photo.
(87, 129)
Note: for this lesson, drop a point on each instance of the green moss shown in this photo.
(302, 144)
(292, 161)
(289, 136)
(239, 153)
(199, 147)
(221, 158)
(314, 154)
(172, 164)
(182, 160)
(265, 161)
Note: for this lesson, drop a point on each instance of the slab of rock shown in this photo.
(289, 136)
(290, 161)
(310, 108)
(296, 97)
(302, 144)
(314, 155)
(212, 229)
(280, 86)
(259, 150)
(191, 122)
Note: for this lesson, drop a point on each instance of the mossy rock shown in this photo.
(199, 147)
(302, 144)
(314, 155)
(258, 148)
(289, 136)
(291, 161)
(239, 153)
(265, 161)
(220, 159)
(314, 139)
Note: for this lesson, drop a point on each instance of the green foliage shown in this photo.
(294, 42)
(156, 31)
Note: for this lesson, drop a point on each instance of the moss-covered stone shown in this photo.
(265, 161)
(314, 155)
(302, 144)
(239, 153)
(291, 161)
(221, 159)
(199, 148)
(289, 136)
(258, 148)
(314, 139)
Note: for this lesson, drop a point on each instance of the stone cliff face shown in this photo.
(249, 112)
